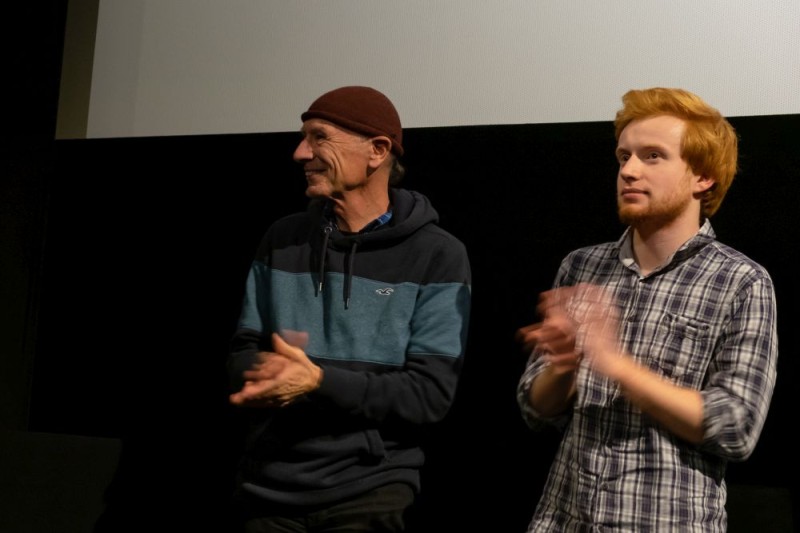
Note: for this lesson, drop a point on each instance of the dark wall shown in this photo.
(31, 95)
(149, 241)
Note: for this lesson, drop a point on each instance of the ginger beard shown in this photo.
(665, 208)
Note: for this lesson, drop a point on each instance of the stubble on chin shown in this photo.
(635, 215)
(629, 214)
(630, 219)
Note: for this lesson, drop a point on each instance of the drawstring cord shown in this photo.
(327, 229)
(323, 254)
(348, 280)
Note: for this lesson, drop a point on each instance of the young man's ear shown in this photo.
(704, 184)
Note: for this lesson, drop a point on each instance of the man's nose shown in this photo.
(303, 152)
(631, 169)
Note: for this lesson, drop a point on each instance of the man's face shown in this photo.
(335, 160)
(654, 184)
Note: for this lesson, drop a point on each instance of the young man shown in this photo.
(352, 332)
(656, 353)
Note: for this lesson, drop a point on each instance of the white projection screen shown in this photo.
(193, 67)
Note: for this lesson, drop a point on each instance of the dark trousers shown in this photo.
(381, 509)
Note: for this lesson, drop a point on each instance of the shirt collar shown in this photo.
(703, 236)
(382, 220)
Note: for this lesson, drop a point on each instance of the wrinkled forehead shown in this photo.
(319, 125)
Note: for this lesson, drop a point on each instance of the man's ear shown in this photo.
(381, 148)
(704, 183)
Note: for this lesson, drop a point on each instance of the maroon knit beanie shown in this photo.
(362, 110)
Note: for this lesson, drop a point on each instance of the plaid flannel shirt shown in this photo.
(705, 320)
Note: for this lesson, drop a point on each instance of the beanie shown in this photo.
(362, 110)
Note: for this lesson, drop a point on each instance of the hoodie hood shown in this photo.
(410, 212)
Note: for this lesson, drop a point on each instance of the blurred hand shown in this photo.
(553, 338)
(281, 376)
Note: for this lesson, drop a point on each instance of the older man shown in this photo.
(657, 352)
(352, 332)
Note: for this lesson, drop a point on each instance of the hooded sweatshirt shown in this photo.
(386, 314)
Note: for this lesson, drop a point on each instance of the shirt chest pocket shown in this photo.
(680, 349)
